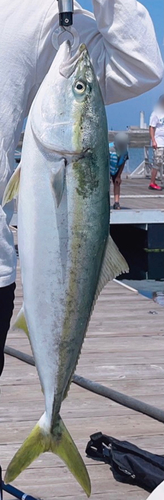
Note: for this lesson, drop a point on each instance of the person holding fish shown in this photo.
(124, 65)
(66, 252)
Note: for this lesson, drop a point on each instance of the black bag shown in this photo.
(128, 463)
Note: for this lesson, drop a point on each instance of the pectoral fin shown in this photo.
(20, 322)
(12, 187)
(113, 265)
(58, 180)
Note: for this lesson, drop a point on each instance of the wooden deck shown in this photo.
(139, 205)
(124, 349)
(136, 195)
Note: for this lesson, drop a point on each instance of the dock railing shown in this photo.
(144, 168)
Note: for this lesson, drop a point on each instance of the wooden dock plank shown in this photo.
(124, 350)
(140, 196)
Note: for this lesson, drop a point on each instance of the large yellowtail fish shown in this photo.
(66, 253)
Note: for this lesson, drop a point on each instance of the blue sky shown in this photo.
(127, 113)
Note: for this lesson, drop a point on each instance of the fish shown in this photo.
(66, 252)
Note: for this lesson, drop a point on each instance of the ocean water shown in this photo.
(136, 156)
(151, 289)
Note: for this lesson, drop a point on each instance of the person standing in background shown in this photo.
(118, 155)
(156, 130)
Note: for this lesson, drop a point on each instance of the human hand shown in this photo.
(154, 144)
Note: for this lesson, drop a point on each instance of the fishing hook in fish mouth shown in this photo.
(58, 37)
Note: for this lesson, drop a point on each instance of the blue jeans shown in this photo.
(6, 310)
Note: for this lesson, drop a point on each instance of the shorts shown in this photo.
(113, 177)
(158, 158)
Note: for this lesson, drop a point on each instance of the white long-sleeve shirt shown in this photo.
(122, 44)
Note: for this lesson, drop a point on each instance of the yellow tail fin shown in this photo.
(58, 441)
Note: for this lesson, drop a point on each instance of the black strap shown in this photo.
(97, 447)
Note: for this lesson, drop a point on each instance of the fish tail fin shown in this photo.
(63, 445)
(60, 442)
(36, 443)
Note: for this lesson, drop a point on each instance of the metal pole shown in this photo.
(101, 390)
(12, 491)
(1, 491)
(16, 493)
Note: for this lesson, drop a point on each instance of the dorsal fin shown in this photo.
(113, 265)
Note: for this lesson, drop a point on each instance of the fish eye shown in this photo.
(80, 87)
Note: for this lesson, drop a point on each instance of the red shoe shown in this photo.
(155, 186)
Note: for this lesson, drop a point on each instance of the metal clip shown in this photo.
(60, 35)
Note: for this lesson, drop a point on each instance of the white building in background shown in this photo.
(142, 120)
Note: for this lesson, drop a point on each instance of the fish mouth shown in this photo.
(67, 67)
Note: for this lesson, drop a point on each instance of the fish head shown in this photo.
(68, 108)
